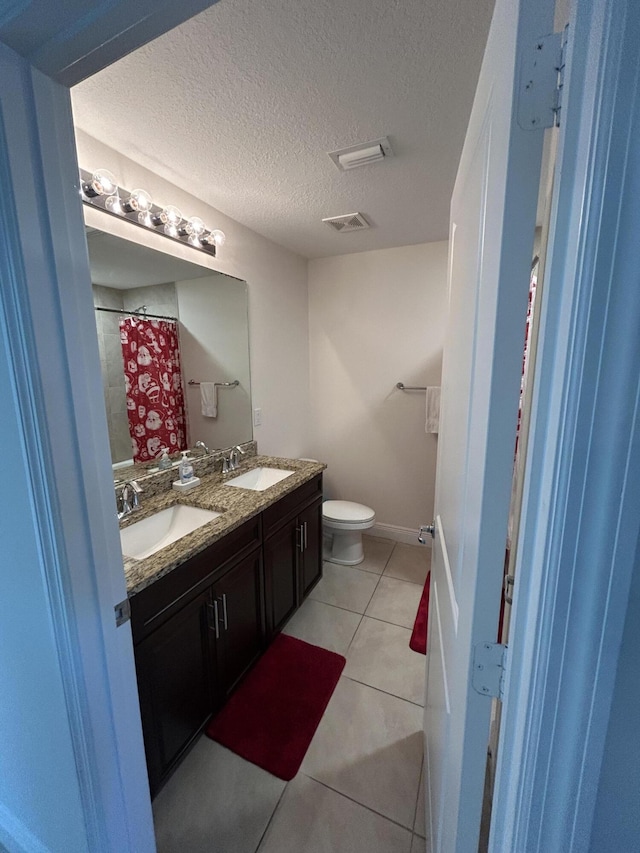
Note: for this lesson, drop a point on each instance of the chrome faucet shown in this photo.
(200, 445)
(234, 458)
(128, 501)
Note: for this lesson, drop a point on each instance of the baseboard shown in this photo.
(406, 535)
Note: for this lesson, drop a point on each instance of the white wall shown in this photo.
(278, 306)
(377, 318)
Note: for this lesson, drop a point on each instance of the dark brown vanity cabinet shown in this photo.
(292, 531)
(176, 685)
(310, 555)
(198, 629)
(237, 620)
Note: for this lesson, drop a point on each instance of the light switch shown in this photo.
(257, 417)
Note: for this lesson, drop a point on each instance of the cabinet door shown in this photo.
(311, 556)
(238, 599)
(280, 571)
(175, 682)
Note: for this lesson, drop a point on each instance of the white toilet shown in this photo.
(343, 523)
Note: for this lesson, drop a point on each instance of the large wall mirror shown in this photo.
(166, 325)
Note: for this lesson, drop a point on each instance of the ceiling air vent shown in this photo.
(362, 154)
(348, 222)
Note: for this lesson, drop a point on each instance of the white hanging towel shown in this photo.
(209, 399)
(432, 421)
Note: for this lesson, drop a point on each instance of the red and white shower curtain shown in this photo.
(153, 384)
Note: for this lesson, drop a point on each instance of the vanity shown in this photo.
(205, 607)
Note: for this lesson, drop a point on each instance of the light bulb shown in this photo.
(114, 205)
(139, 200)
(102, 183)
(145, 218)
(195, 227)
(171, 216)
(214, 238)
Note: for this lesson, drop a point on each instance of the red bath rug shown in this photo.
(418, 641)
(272, 717)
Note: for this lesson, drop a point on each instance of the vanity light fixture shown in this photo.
(100, 189)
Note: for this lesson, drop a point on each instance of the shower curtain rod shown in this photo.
(136, 313)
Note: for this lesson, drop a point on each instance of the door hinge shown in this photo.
(123, 612)
(489, 665)
(541, 82)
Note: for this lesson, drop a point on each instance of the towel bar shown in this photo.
(218, 384)
(402, 387)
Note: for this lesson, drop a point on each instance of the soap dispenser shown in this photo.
(164, 463)
(186, 468)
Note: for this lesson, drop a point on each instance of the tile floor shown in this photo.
(360, 787)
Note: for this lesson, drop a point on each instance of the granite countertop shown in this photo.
(236, 505)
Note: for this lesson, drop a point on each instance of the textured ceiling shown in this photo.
(241, 104)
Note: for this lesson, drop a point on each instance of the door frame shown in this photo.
(50, 350)
(579, 525)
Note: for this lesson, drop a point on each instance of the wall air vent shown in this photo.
(348, 222)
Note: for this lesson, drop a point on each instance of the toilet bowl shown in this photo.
(343, 523)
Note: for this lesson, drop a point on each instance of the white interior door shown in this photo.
(491, 240)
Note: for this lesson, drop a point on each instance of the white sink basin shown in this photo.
(259, 479)
(145, 537)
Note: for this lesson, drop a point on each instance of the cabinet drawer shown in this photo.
(151, 606)
(275, 516)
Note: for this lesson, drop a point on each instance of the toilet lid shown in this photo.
(347, 511)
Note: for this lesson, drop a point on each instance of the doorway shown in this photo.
(531, 330)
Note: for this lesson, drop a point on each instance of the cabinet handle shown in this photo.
(212, 610)
(224, 611)
(300, 538)
(306, 536)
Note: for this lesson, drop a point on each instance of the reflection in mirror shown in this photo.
(163, 323)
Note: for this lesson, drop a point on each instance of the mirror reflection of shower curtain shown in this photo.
(153, 384)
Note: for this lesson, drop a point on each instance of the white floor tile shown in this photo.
(395, 601)
(323, 625)
(376, 554)
(214, 802)
(314, 819)
(368, 747)
(409, 563)
(418, 844)
(380, 657)
(344, 586)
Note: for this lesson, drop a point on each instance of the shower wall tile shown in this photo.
(107, 297)
(116, 401)
(115, 373)
(159, 299)
(119, 439)
(113, 349)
